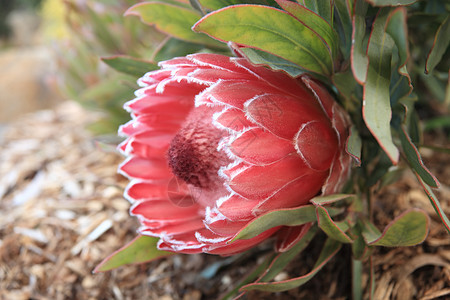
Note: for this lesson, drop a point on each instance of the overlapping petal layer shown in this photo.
(216, 142)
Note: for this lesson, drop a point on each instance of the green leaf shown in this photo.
(440, 45)
(271, 30)
(391, 2)
(376, 105)
(272, 61)
(408, 229)
(313, 22)
(359, 59)
(173, 47)
(329, 199)
(435, 87)
(330, 249)
(172, 20)
(357, 275)
(282, 217)
(435, 202)
(323, 8)
(141, 249)
(359, 246)
(414, 159)
(218, 4)
(354, 145)
(396, 27)
(332, 229)
(283, 259)
(437, 123)
(346, 85)
(129, 65)
(343, 24)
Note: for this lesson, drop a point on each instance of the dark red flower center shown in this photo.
(193, 155)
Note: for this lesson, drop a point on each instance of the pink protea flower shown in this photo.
(216, 141)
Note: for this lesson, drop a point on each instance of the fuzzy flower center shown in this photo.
(193, 155)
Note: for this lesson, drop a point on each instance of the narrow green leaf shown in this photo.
(396, 27)
(172, 20)
(435, 202)
(173, 47)
(283, 259)
(437, 122)
(435, 87)
(282, 217)
(343, 25)
(346, 85)
(359, 59)
(376, 105)
(357, 275)
(141, 249)
(274, 62)
(314, 22)
(408, 229)
(129, 65)
(354, 145)
(330, 249)
(332, 229)
(218, 4)
(440, 45)
(271, 30)
(414, 159)
(323, 8)
(329, 199)
(391, 2)
(359, 246)
(369, 231)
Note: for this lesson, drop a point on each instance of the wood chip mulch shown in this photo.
(62, 212)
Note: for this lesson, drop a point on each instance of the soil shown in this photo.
(62, 212)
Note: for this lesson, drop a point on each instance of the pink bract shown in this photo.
(215, 142)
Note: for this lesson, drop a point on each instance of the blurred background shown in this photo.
(50, 50)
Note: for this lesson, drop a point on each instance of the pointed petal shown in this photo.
(212, 76)
(276, 79)
(182, 243)
(283, 115)
(149, 145)
(240, 245)
(296, 193)
(157, 213)
(214, 61)
(260, 182)
(177, 62)
(141, 190)
(174, 228)
(317, 143)
(140, 168)
(260, 147)
(233, 92)
(236, 208)
(153, 77)
(321, 94)
(220, 225)
(232, 119)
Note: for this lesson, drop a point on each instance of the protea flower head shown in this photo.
(215, 142)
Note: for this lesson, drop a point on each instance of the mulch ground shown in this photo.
(62, 212)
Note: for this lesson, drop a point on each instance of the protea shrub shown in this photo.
(215, 142)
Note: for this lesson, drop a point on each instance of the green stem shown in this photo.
(357, 290)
